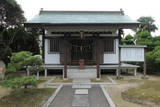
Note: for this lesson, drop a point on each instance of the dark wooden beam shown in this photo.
(65, 60)
(144, 64)
(119, 53)
(43, 45)
(98, 66)
(119, 64)
(97, 56)
(65, 68)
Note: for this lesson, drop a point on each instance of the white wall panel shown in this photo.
(112, 58)
(132, 54)
(51, 58)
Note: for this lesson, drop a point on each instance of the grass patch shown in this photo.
(4, 91)
(135, 80)
(115, 93)
(1, 83)
(59, 79)
(62, 81)
(104, 78)
(26, 97)
(129, 80)
(147, 93)
(95, 80)
(41, 81)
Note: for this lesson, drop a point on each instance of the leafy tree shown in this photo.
(153, 60)
(147, 23)
(13, 36)
(34, 64)
(16, 83)
(144, 38)
(25, 40)
(156, 41)
(18, 39)
(128, 40)
(10, 13)
(18, 61)
(24, 59)
(5, 53)
(11, 75)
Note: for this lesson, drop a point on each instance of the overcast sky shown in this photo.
(133, 8)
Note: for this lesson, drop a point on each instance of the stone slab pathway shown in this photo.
(79, 83)
(80, 101)
(81, 86)
(67, 98)
(81, 98)
(81, 91)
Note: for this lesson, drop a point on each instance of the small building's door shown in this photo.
(82, 49)
(65, 51)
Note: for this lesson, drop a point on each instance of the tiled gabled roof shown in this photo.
(82, 17)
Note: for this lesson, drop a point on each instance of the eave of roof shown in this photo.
(54, 18)
(133, 46)
(106, 25)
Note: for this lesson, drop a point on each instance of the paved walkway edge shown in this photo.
(52, 84)
(113, 81)
(111, 103)
(53, 96)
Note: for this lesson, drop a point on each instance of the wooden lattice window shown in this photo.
(54, 45)
(109, 45)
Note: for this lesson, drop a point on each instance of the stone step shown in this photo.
(79, 75)
(81, 86)
(77, 67)
(81, 80)
(85, 73)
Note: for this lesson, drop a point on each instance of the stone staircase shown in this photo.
(81, 83)
(81, 73)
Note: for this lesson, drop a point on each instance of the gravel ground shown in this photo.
(65, 97)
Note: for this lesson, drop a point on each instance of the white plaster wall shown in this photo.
(51, 58)
(112, 58)
(132, 54)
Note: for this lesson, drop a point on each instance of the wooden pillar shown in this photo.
(119, 53)
(144, 64)
(45, 73)
(43, 45)
(65, 70)
(117, 72)
(98, 67)
(135, 72)
(98, 59)
(65, 63)
(37, 75)
(28, 73)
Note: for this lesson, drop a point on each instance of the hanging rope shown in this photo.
(83, 45)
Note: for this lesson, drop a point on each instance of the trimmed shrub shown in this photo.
(20, 82)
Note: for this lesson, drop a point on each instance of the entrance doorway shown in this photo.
(82, 49)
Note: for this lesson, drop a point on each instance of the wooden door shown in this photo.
(98, 50)
(65, 49)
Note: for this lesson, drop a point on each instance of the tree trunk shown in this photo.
(25, 86)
